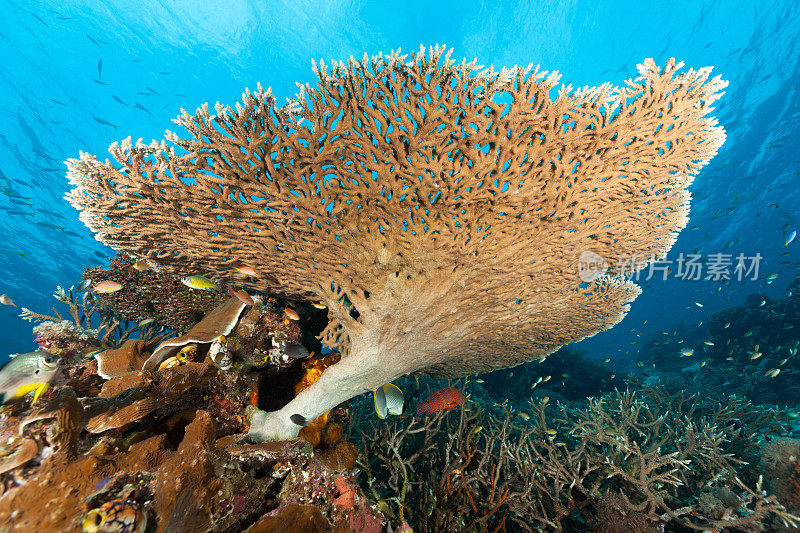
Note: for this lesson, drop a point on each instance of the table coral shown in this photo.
(445, 232)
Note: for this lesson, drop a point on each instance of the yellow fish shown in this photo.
(26, 373)
(5, 300)
(199, 282)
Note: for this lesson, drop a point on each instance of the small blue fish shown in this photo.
(792, 236)
(105, 122)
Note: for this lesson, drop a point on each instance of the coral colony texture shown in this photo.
(437, 209)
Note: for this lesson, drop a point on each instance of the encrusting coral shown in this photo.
(160, 450)
(438, 209)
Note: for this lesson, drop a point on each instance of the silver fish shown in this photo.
(25, 373)
(294, 350)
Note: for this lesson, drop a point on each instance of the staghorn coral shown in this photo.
(438, 209)
(58, 335)
(624, 461)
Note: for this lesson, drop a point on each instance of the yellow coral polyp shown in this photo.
(93, 521)
(313, 369)
(313, 431)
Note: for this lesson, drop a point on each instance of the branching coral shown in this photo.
(438, 209)
(84, 311)
(643, 455)
(77, 336)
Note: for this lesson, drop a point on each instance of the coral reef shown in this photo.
(162, 448)
(451, 241)
(628, 461)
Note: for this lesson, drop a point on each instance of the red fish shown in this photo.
(442, 399)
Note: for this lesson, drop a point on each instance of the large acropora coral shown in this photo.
(438, 209)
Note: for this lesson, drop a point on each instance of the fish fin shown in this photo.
(25, 389)
(393, 386)
(39, 391)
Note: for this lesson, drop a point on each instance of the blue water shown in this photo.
(159, 57)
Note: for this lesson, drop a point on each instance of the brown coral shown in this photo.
(442, 228)
(293, 518)
(23, 451)
(220, 321)
(779, 456)
(341, 456)
(147, 294)
(127, 357)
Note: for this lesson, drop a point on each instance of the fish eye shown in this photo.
(50, 359)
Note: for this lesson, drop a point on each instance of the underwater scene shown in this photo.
(384, 267)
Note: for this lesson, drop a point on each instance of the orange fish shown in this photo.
(241, 296)
(442, 399)
(291, 313)
(247, 271)
(106, 287)
(141, 265)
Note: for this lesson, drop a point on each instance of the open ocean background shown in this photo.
(79, 75)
